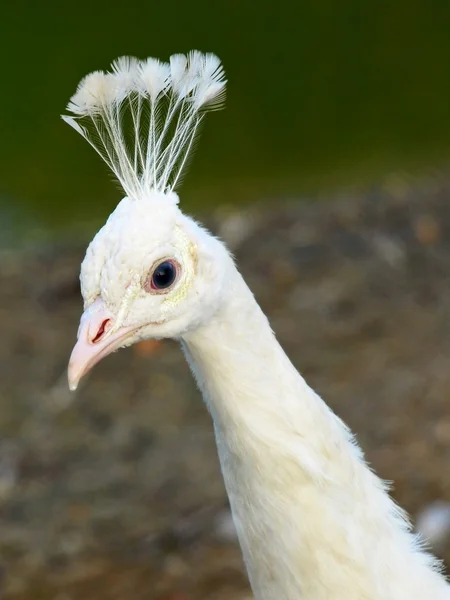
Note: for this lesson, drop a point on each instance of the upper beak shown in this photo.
(96, 339)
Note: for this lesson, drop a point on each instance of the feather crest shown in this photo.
(143, 117)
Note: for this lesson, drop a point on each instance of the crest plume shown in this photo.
(142, 117)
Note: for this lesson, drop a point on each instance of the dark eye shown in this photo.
(164, 275)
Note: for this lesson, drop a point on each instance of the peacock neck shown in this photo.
(252, 390)
(313, 521)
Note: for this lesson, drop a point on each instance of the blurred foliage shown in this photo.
(320, 91)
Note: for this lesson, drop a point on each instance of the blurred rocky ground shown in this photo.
(115, 492)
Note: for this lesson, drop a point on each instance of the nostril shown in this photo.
(101, 331)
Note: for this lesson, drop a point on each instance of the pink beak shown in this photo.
(94, 343)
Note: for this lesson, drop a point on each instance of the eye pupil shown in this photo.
(164, 275)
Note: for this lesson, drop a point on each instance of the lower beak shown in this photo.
(96, 339)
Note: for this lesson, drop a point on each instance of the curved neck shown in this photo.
(250, 386)
(310, 516)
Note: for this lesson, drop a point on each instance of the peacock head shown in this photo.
(151, 271)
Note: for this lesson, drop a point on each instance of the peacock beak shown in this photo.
(97, 337)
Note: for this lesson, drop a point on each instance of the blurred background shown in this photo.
(328, 176)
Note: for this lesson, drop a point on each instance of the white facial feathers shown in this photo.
(143, 116)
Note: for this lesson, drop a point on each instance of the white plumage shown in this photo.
(314, 522)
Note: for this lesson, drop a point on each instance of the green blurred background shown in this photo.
(321, 94)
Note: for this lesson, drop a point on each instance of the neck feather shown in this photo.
(313, 521)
